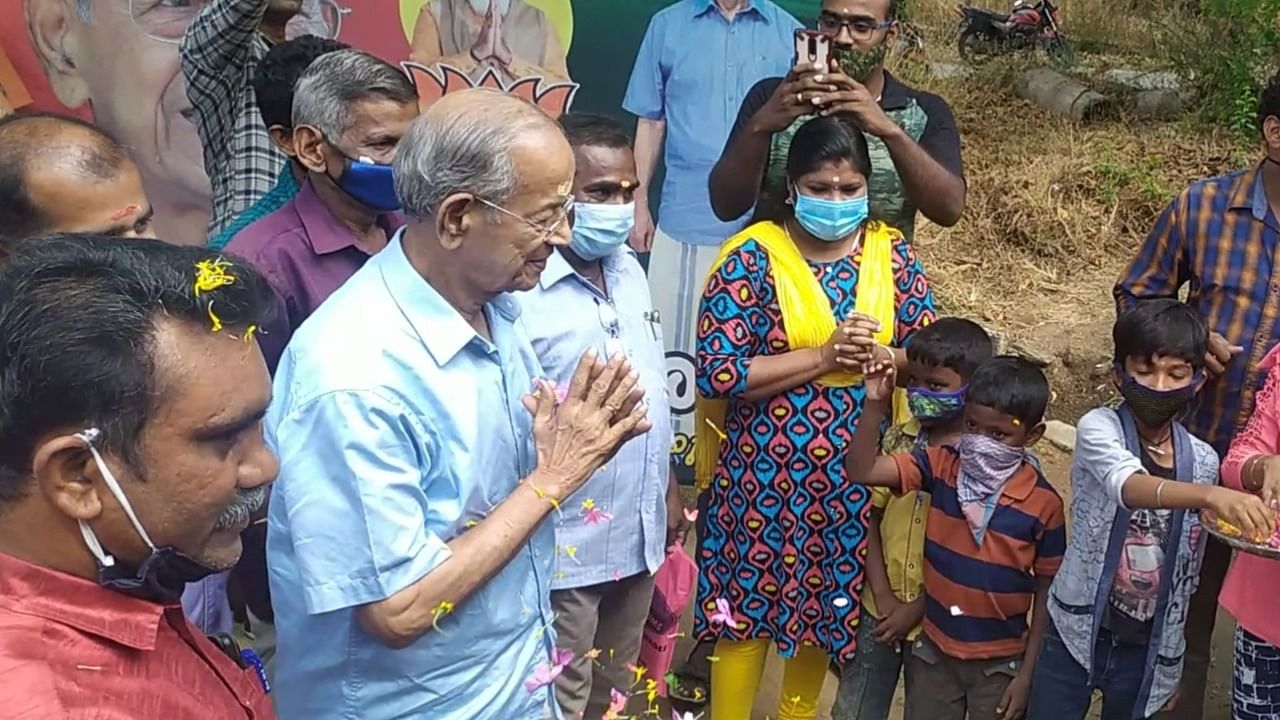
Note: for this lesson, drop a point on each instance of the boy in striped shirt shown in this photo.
(993, 542)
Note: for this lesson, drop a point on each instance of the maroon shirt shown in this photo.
(306, 253)
(70, 648)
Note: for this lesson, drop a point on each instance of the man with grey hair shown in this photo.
(349, 111)
(409, 556)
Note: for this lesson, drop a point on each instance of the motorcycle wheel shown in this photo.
(1060, 51)
(975, 46)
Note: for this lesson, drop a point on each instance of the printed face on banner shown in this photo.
(514, 39)
(120, 57)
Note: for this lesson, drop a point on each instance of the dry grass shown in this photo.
(1054, 211)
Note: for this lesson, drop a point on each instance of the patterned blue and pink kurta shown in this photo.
(785, 530)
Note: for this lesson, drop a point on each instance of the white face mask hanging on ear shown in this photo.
(163, 575)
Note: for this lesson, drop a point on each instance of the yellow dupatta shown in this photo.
(807, 317)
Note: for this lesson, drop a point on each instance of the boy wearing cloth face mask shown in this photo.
(993, 542)
(940, 360)
(1118, 605)
(613, 533)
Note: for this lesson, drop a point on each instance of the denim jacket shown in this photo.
(1106, 456)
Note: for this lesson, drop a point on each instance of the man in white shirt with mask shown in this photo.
(611, 534)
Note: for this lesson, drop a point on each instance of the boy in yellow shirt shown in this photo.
(940, 359)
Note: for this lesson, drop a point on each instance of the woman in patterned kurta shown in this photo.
(785, 529)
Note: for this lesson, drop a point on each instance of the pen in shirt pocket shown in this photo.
(654, 318)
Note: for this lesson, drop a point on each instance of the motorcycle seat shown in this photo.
(991, 15)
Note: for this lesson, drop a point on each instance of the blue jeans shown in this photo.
(870, 678)
(1060, 689)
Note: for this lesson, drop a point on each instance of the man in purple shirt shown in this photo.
(349, 111)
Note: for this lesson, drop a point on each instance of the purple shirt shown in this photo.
(306, 253)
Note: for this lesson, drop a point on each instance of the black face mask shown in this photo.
(163, 575)
(161, 578)
(1154, 408)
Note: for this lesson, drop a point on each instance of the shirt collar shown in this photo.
(324, 232)
(558, 268)
(79, 603)
(1023, 482)
(437, 323)
(701, 7)
(894, 95)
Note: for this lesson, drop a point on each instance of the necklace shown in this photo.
(1153, 446)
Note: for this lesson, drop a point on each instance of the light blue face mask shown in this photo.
(830, 220)
(600, 228)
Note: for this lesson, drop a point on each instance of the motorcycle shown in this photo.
(983, 33)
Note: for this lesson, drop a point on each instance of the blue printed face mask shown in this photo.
(600, 228)
(830, 220)
(370, 184)
(928, 406)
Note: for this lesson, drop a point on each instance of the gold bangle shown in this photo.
(1159, 504)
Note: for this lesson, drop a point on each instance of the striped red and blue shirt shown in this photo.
(978, 595)
(1219, 237)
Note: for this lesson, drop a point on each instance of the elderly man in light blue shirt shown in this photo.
(696, 63)
(410, 561)
(613, 531)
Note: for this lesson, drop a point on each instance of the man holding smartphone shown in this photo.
(915, 147)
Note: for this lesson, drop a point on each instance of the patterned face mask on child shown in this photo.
(1154, 408)
(930, 406)
(986, 464)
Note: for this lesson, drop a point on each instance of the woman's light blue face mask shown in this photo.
(830, 220)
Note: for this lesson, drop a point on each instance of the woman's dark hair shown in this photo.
(951, 342)
(1161, 327)
(78, 316)
(816, 143)
(1011, 385)
(825, 140)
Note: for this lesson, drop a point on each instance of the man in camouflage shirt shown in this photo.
(915, 148)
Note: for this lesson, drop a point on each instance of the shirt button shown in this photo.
(911, 566)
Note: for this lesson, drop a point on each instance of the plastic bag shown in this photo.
(673, 587)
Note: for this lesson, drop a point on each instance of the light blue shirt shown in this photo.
(693, 70)
(396, 425)
(565, 315)
(205, 604)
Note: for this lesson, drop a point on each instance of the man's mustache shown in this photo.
(246, 503)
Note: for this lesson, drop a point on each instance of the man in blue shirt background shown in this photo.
(696, 63)
(614, 530)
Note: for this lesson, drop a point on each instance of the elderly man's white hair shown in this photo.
(335, 81)
(463, 144)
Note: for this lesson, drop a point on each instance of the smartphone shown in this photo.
(812, 47)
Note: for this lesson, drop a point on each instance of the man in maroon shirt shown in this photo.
(349, 111)
(125, 472)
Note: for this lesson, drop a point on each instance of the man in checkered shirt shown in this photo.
(219, 53)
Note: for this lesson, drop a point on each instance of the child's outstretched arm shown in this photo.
(1243, 510)
(1101, 450)
(863, 463)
